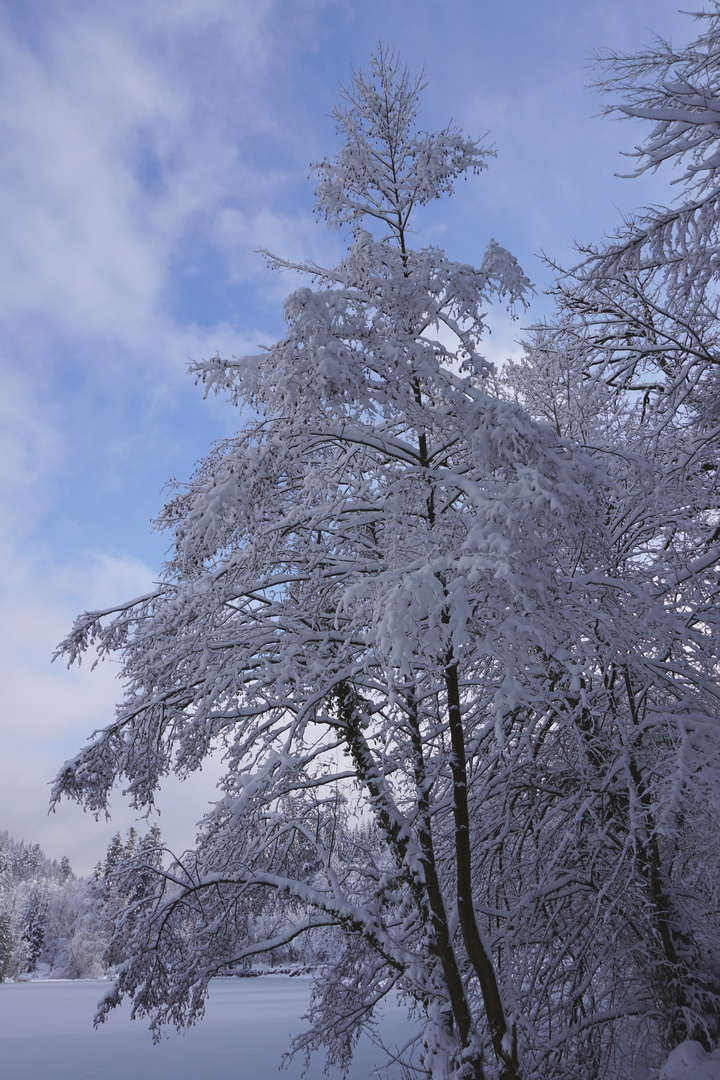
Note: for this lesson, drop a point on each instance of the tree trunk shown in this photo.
(442, 944)
(477, 954)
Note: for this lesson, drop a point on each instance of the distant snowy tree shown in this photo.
(78, 930)
(33, 925)
(145, 858)
(113, 857)
(6, 945)
(131, 878)
(397, 593)
(131, 842)
(29, 883)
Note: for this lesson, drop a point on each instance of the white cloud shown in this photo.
(113, 148)
(74, 251)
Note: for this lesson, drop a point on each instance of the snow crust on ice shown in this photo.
(46, 1031)
(689, 1061)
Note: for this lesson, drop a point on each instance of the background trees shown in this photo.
(52, 923)
(459, 665)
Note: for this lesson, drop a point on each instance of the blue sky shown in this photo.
(146, 150)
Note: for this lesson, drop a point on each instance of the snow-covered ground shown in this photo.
(690, 1062)
(46, 1031)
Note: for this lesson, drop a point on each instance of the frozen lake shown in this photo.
(46, 1031)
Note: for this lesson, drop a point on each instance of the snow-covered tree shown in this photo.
(78, 930)
(650, 780)
(113, 856)
(33, 925)
(643, 307)
(628, 367)
(397, 595)
(6, 945)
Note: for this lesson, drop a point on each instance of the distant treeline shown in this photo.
(55, 923)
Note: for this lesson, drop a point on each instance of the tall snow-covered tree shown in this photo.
(396, 591)
(628, 367)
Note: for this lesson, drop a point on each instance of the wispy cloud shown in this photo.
(109, 154)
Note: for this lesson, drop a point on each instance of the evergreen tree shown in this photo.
(33, 926)
(113, 857)
(131, 843)
(6, 945)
